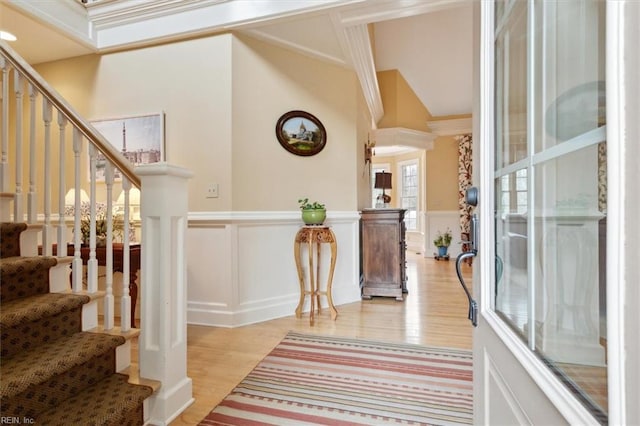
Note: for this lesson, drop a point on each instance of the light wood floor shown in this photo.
(434, 313)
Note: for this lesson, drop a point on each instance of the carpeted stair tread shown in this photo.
(112, 401)
(10, 238)
(32, 367)
(34, 308)
(51, 372)
(24, 276)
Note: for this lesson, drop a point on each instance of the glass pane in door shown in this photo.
(571, 79)
(571, 285)
(550, 188)
(511, 88)
(511, 291)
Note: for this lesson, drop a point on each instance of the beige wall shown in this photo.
(362, 170)
(402, 108)
(180, 79)
(442, 175)
(269, 81)
(221, 97)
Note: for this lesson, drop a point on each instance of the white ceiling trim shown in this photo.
(378, 11)
(454, 126)
(394, 136)
(356, 45)
(297, 47)
(130, 23)
(68, 18)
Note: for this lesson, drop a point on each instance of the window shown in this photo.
(409, 190)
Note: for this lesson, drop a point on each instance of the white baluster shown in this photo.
(109, 302)
(77, 232)
(92, 263)
(32, 200)
(17, 196)
(47, 239)
(4, 134)
(62, 226)
(125, 303)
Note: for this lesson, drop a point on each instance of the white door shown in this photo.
(557, 254)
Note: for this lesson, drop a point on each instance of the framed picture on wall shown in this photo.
(301, 133)
(140, 139)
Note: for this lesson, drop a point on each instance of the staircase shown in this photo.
(58, 366)
(53, 373)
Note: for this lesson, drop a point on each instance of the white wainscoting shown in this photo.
(440, 221)
(241, 268)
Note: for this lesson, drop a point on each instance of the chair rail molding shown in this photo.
(242, 270)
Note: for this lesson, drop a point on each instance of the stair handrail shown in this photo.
(92, 135)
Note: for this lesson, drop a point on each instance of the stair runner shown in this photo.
(51, 372)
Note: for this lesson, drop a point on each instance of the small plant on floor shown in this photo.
(443, 239)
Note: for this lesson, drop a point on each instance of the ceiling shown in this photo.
(432, 50)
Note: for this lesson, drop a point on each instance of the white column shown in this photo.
(47, 237)
(62, 186)
(32, 200)
(17, 200)
(77, 205)
(125, 301)
(92, 263)
(163, 322)
(109, 301)
(4, 131)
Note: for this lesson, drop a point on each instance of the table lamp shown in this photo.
(383, 181)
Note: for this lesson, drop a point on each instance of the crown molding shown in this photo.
(356, 45)
(378, 11)
(271, 39)
(67, 17)
(121, 24)
(400, 136)
(451, 127)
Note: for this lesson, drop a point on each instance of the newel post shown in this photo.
(163, 305)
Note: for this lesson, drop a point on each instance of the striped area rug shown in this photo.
(309, 380)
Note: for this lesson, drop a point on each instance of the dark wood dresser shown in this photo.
(383, 246)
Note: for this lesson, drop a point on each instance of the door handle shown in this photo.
(473, 306)
(472, 200)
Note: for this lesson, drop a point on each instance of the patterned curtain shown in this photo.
(464, 181)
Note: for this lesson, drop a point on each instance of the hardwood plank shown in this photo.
(434, 313)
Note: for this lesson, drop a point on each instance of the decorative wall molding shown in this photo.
(67, 17)
(131, 23)
(406, 137)
(377, 11)
(356, 45)
(241, 266)
(451, 127)
(291, 217)
(287, 44)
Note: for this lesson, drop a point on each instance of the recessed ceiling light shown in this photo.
(7, 36)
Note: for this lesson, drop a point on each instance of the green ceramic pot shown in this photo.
(314, 216)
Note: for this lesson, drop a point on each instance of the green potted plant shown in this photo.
(442, 241)
(312, 213)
